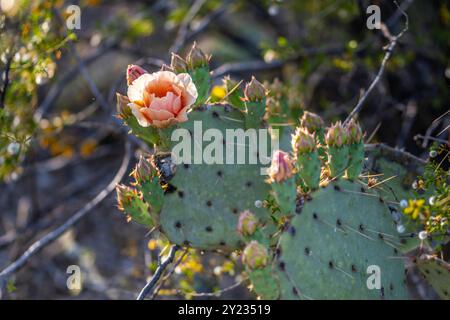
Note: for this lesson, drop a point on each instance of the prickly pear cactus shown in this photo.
(202, 208)
(327, 252)
(314, 228)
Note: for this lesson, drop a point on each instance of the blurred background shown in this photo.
(60, 145)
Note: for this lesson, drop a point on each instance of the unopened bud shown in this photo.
(311, 121)
(134, 72)
(354, 132)
(178, 64)
(144, 170)
(255, 255)
(247, 223)
(196, 58)
(303, 141)
(254, 91)
(122, 105)
(124, 196)
(281, 167)
(336, 135)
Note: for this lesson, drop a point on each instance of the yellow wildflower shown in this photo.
(414, 208)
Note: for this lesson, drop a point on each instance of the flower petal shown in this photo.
(141, 118)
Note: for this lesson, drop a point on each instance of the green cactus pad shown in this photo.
(437, 274)
(203, 204)
(327, 249)
(264, 284)
(393, 162)
(399, 169)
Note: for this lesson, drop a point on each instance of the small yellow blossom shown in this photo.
(414, 208)
(218, 93)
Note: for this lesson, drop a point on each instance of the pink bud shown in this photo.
(336, 135)
(134, 72)
(247, 223)
(281, 167)
(255, 255)
(303, 141)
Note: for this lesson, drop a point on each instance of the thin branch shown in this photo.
(260, 65)
(148, 288)
(390, 48)
(169, 274)
(56, 233)
(215, 294)
(183, 30)
(5, 82)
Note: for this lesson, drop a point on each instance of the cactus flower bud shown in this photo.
(125, 195)
(281, 167)
(311, 121)
(122, 105)
(134, 72)
(196, 58)
(178, 64)
(254, 91)
(255, 255)
(303, 141)
(144, 170)
(336, 135)
(247, 223)
(354, 132)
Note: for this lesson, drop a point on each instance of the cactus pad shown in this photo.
(327, 249)
(437, 273)
(203, 206)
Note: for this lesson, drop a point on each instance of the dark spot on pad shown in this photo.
(209, 203)
(219, 173)
(361, 228)
(186, 166)
(292, 231)
(235, 211)
(181, 194)
(170, 189)
(363, 190)
(186, 243)
(315, 216)
(222, 243)
(380, 236)
(337, 188)
(353, 268)
(178, 224)
(330, 265)
(294, 291)
(338, 222)
(381, 200)
(391, 287)
(248, 184)
(209, 229)
(215, 114)
(281, 265)
(307, 251)
(277, 252)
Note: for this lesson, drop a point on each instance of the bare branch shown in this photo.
(56, 233)
(387, 56)
(184, 26)
(148, 288)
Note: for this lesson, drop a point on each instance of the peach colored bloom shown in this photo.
(162, 98)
